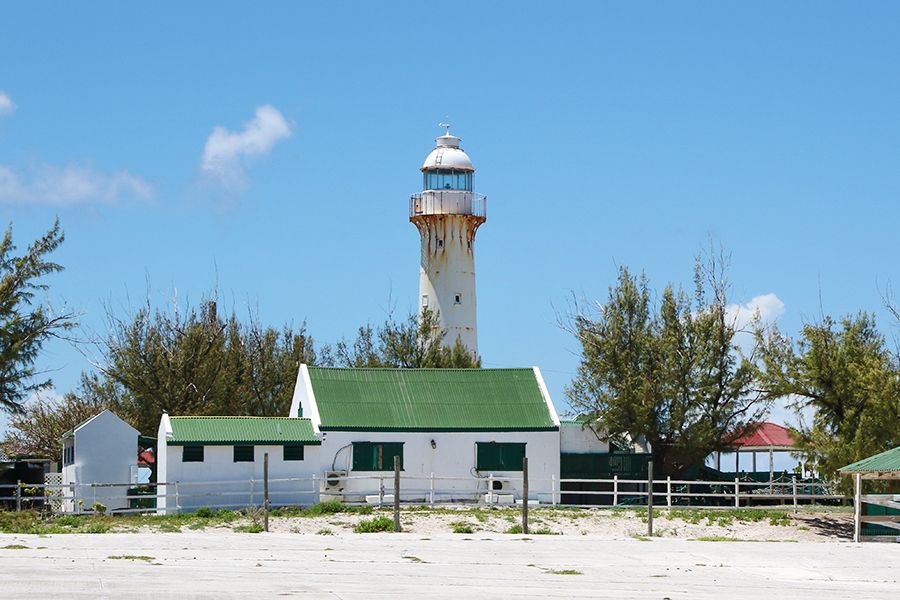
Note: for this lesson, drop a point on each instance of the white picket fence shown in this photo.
(429, 489)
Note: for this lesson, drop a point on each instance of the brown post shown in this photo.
(266, 491)
(650, 498)
(525, 494)
(19, 495)
(397, 493)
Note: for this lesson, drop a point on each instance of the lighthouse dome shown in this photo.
(448, 155)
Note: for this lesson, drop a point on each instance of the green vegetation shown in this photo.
(563, 572)
(324, 531)
(461, 527)
(725, 517)
(26, 323)
(414, 559)
(131, 557)
(249, 528)
(375, 525)
(719, 538)
(668, 370)
(14, 547)
(515, 529)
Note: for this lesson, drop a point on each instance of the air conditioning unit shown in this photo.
(501, 486)
(500, 492)
(333, 481)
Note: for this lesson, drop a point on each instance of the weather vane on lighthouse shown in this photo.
(447, 214)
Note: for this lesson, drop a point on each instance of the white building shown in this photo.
(447, 214)
(468, 427)
(101, 450)
(218, 462)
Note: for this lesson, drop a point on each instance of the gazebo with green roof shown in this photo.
(882, 510)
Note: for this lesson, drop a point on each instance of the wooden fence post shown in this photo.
(857, 506)
(650, 498)
(380, 491)
(553, 489)
(525, 495)
(794, 490)
(266, 491)
(19, 495)
(315, 490)
(431, 490)
(615, 490)
(669, 491)
(737, 493)
(396, 493)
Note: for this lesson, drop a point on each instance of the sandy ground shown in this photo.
(799, 526)
(202, 564)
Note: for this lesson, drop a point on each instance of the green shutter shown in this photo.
(492, 456)
(366, 455)
(389, 451)
(243, 454)
(293, 452)
(192, 454)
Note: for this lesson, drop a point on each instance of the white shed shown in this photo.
(100, 451)
(470, 428)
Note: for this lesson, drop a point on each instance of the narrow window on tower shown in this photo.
(424, 300)
(440, 243)
(457, 299)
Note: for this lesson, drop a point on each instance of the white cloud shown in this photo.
(70, 185)
(7, 106)
(768, 306)
(226, 152)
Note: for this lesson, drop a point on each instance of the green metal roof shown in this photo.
(241, 430)
(430, 400)
(886, 461)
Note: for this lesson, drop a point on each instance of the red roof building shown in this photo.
(764, 437)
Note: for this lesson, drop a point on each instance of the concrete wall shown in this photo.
(452, 456)
(105, 452)
(578, 439)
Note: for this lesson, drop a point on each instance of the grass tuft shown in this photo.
(376, 525)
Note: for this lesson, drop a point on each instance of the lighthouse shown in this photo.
(448, 213)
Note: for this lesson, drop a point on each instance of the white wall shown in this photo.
(195, 479)
(578, 439)
(453, 456)
(105, 450)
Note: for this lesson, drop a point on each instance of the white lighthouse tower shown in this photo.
(447, 214)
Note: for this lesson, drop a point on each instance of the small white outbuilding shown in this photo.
(97, 453)
(218, 462)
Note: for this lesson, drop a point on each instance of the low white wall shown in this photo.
(453, 456)
(196, 485)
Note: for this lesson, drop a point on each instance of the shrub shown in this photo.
(461, 527)
(374, 525)
(250, 528)
(324, 531)
(99, 508)
(330, 507)
(204, 512)
(515, 529)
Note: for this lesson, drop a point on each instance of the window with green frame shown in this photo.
(243, 454)
(293, 452)
(192, 454)
(376, 456)
(494, 456)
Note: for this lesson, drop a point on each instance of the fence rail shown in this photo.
(179, 496)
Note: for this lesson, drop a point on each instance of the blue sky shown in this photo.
(271, 149)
